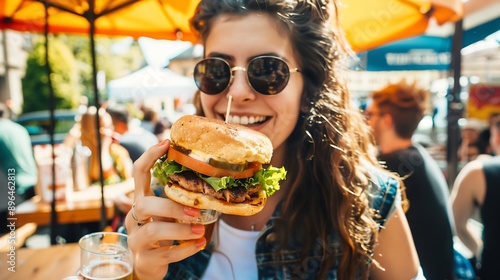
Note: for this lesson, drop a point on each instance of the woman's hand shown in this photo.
(151, 240)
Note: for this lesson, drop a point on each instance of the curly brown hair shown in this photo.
(330, 138)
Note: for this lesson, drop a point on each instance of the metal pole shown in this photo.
(455, 106)
(52, 102)
(91, 17)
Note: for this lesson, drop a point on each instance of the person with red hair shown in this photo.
(394, 114)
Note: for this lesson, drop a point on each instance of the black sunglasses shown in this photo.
(267, 75)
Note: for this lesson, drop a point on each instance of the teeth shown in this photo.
(245, 120)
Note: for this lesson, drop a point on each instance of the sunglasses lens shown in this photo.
(268, 75)
(212, 76)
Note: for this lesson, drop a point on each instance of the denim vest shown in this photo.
(288, 265)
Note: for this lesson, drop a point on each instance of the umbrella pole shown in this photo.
(455, 106)
(91, 19)
(53, 213)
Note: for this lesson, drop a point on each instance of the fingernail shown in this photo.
(200, 243)
(190, 211)
(163, 142)
(197, 228)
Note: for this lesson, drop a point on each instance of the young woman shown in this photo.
(116, 162)
(337, 215)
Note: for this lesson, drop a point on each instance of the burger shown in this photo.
(215, 165)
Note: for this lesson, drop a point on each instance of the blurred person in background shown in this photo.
(73, 137)
(134, 138)
(477, 188)
(116, 162)
(17, 164)
(152, 122)
(470, 147)
(11, 113)
(485, 135)
(394, 114)
(162, 129)
(149, 118)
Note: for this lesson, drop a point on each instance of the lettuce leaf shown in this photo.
(268, 178)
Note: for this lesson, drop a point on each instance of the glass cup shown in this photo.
(105, 256)
(207, 217)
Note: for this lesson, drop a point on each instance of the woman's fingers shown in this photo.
(152, 206)
(159, 208)
(143, 165)
(148, 235)
(144, 242)
(153, 264)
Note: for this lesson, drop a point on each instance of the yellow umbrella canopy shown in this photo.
(370, 24)
(367, 23)
(160, 19)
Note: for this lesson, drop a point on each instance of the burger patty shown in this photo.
(191, 182)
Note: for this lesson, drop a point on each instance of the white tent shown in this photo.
(150, 82)
(158, 53)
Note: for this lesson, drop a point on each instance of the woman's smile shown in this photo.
(274, 115)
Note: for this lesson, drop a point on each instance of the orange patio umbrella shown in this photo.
(160, 19)
(367, 24)
(370, 24)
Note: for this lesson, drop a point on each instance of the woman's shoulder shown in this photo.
(383, 193)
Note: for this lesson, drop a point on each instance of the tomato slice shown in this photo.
(208, 170)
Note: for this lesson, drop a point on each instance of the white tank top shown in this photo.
(234, 254)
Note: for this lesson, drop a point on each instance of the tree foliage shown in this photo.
(64, 76)
(71, 63)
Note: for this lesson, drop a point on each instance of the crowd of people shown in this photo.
(361, 200)
(435, 216)
(393, 115)
(476, 188)
(116, 155)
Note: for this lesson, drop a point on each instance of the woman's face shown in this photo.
(237, 40)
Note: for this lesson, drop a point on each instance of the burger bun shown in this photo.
(222, 141)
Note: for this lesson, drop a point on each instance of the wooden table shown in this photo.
(79, 207)
(55, 262)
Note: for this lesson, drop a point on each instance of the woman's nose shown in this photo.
(240, 89)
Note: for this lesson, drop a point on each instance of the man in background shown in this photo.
(394, 114)
(134, 138)
(476, 188)
(17, 164)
